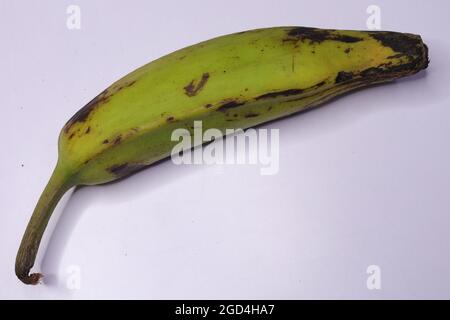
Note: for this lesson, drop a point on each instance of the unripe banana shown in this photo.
(234, 81)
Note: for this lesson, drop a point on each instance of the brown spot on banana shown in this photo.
(126, 85)
(117, 140)
(117, 168)
(193, 89)
(343, 77)
(124, 169)
(403, 43)
(289, 92)
(103, 97)
(83, 113)
(229, 104)
(385, 72)
(395, 56)
(317, 36)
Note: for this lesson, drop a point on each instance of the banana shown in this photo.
(234, 81)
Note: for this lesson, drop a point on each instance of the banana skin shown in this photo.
(234, 81)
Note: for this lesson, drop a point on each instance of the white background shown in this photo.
(363, 181)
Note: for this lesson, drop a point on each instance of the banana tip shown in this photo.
(33, 279)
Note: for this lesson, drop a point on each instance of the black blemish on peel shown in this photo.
(83, 113)
(229, 105)
(193, 89)
(343, 76)
(318, 35)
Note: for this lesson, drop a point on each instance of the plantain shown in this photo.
(234, 81)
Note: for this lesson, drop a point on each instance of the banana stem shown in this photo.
(57, 186)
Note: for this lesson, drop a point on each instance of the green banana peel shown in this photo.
(234, 81)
